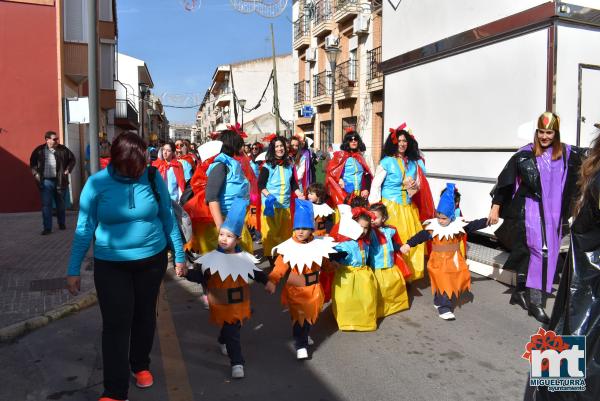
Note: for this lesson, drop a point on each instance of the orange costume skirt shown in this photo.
(448, 271)
(301, 293)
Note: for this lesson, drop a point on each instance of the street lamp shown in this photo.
(144, 89)
(242, 103)
(333, 52)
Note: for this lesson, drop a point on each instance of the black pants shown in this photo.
(127, 294)
(300, 334)
(230, 336)
(443, 303)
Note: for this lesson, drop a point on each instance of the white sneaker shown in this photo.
(302, 353)
(310, 341)
(448, 316)
(237, 371)
(223, 349)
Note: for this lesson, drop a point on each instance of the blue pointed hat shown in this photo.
(446, 206)
(236, 217)
(304, 215)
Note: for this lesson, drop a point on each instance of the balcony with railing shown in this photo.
(374, 74)
(75, 61)
(126, 115)
(346, 80)
(301, 33)
(301, 93)
(322, 85)
(323, 18)
(346, 9)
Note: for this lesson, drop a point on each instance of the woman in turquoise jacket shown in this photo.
(132, 224)
(277, 183)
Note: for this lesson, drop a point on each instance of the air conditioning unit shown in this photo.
(332, 41)
(360, 24)
(311, 54)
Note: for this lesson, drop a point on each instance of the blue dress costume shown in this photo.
(277, 229)
(391, 290)
(354, 288)
(404, 214)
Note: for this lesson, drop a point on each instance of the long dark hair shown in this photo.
(232, 143)
(128, 155)
(271, 159)
(346, 143)
(588, 172)
(391, 149)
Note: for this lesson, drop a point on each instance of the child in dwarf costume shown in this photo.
(387, 263)
(448, 270)
(302, 258)
(324, 216)
(225, 273)
(354, 285)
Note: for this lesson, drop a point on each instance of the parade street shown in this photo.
(414, 355)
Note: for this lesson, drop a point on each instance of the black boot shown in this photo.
(536, 302)
(538, 313)
(518, 298)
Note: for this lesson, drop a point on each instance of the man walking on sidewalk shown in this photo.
(51, 164)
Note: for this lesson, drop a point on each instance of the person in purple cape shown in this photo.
(533, 194)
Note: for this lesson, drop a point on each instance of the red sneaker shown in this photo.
(143, 379)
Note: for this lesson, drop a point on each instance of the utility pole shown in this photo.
(275, 88)
(93, 127)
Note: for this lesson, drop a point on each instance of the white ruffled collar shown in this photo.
(322, 210)
(447, 232)
(303, 255)
(237, 265)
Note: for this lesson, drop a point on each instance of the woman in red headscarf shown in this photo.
(348, 173)
(171, 171)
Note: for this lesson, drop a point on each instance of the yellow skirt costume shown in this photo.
(276, 229)
(355, 298)
(406, 220)
(391, 291)
(205, 239)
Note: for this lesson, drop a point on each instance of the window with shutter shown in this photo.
(75, 21)
(105, 10)
(107, 65)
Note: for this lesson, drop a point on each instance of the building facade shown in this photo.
(36, 85)
(247, 81)
(134, 99)
(354, 27)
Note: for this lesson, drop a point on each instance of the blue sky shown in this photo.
(183, 48)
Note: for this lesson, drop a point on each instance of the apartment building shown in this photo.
(353, 27)
(134, 98)
(244, 82)
(45, 42)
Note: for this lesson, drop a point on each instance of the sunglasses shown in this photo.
(353, 139)
(53, 139)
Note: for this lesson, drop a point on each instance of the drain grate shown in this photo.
(50, 284)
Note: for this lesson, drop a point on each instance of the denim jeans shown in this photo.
(49, 193)
(443, 303)
(230, 336)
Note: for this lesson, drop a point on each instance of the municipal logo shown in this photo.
(557, 362)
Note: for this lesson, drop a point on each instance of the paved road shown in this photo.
(413, 355)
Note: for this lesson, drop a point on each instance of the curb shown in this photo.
(18, 329)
